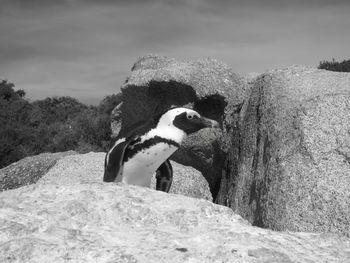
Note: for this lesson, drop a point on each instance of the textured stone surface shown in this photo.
(288, 164)
(157, 83)
(28, 170)
(88, 168)
(103, 222)
(207, 76)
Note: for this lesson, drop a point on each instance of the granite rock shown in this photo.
(28, 170)
(288, 164)
(104, 222)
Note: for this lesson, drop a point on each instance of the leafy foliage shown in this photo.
(51, 125)
(107, 105)
(333, 65)
(58, 109)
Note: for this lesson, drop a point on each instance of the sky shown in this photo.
(85, 49)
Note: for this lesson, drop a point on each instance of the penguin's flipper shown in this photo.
(114, 160)
(164, 176)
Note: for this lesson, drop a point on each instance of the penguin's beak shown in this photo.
(208, 123)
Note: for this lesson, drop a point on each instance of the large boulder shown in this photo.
(89, 167)
(288, 163)
(104, 222)
(157, 83)
(28, 170)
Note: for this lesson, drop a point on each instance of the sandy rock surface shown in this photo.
(103, 222)
(28, 170)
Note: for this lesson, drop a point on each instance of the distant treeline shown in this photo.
(333, 65)
(51, 125)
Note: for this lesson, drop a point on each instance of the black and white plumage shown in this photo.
(145, 149)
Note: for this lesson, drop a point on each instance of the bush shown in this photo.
(56, 109)
(93, 128)
(51, 125)
(333, 65)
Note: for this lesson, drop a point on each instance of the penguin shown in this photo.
(146, 148)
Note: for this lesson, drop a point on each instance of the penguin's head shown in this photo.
(186, 120)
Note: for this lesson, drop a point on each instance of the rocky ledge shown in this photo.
(104, 222)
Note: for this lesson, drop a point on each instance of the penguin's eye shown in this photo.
(192, 116)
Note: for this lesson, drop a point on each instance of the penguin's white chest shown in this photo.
(139, 169)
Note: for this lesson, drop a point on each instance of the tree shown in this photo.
(57, 109)
(14, 119)
(93, 129)
(8, 93)
(109, 102)
(333, 65)
(51, 125)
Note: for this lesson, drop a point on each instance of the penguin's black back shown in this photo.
(143, 126)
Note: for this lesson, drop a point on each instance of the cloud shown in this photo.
(85, 48)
